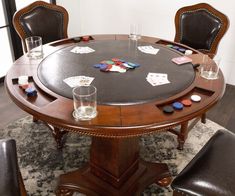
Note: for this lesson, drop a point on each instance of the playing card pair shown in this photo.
(82, 50)
(156, 79)
(148, 49)
(181, 60)
(78, 81)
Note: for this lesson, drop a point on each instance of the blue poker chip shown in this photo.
(177, 106)
(103, 66)
(133, 64)
(175, 47)
(97, 65)
(30, 91)
(181, 50)
(123, 61)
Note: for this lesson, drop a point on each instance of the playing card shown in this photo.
(82, 50)
(78, 81)
(181, 60)
(156, 79)
(148, 49)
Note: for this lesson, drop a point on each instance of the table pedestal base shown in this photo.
(84, 181)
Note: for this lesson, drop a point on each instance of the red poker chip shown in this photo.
(85, 38)
(115, 59)
(108, 67)
(186, 102)
(118, 63)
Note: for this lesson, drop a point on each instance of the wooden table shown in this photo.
(114, 167)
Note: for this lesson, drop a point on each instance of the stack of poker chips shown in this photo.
(182, 50)
(115, 65)
(24, 84)
(30, 91)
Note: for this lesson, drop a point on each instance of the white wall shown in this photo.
(155, 16)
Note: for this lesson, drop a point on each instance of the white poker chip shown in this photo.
(196, 98)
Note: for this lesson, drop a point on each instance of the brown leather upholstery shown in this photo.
(201, 27)
(41, 19)
(212, 170)
(11, 183)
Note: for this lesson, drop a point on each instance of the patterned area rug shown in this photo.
(41, 163)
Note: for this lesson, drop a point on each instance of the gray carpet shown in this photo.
(41, 163)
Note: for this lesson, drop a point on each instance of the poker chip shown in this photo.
(22, 80)
(115, 65)
(186, 102)
(109, 62)
(175, 47)
(168, 109)
(85, 38)
(133, 64)
(24, 86)
(97, 65)
(30, 91)
(188, 52)
(177, 106)
(195, 98)
(181, 50)
(115, 59)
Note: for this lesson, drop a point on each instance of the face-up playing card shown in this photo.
(82, 50)
(156, 79)
(78, 81)
(148, 49)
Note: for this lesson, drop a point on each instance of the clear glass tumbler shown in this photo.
(135, 31)
(84, 100)
(34, 47)
(210, 66)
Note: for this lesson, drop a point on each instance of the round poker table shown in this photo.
(128, 106)
(114, 88)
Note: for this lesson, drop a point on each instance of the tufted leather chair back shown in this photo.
(201, 27)
(41, 19)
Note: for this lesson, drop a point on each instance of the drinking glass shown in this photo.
(210, 66)
(135, 31)
(84, 100)
(34, 47)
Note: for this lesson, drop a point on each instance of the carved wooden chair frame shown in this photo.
(19, 28)
(203, 6)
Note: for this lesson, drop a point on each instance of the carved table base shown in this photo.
(114, 170)
(84, 181)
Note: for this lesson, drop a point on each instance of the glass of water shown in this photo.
(34, 47)
(84, 100)
(135, 31)
(210, 66)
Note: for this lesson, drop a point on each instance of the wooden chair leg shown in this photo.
(182, 135)
(203, 118)
(35, 119)
(22, 187)
(58, 136)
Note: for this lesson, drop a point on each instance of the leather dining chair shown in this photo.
(11, 182)
(200, 27)
(211, 171)
(41, 19)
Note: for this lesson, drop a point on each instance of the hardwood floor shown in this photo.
(223, 113)
(8, 110)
